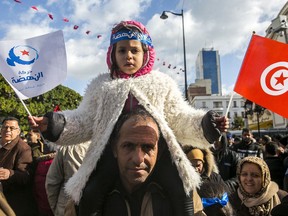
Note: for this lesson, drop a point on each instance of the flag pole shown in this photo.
(20, 99)
(30, 116)
(229, 104)
(227, 111)
(25, 108)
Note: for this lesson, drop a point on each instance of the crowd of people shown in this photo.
(34, 172)
(135, 147)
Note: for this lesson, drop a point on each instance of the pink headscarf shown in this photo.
(149, 57)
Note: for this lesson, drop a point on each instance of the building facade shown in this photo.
(208, 67)
(199, 88)
(277, 30)
(220, 105)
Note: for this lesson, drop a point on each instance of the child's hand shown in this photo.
(222, 123)
(213, 124)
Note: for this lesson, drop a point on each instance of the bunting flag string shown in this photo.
(64, 19)
(75, 27)
(162, 63)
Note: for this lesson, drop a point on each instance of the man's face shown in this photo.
(198, 165)
(247, 137)
(9, 131)
(136, 151)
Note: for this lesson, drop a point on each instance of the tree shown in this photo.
(10, 105)
(238, 123)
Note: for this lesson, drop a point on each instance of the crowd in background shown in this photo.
(145, 141)
(220, 167)
(35, 171)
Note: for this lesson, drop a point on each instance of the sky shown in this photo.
(221, 25)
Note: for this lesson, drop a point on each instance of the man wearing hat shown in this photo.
(203, 162)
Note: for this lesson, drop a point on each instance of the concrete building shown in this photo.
(277, 30)
(208, 67)
(220, 104)
(199, 88)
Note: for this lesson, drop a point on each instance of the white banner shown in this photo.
(35, 65)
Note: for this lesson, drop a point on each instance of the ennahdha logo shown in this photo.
(24, 55)
(274, 79)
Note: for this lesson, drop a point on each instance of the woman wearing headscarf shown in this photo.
(256, 195)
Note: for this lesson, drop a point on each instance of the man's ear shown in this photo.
(19, 132)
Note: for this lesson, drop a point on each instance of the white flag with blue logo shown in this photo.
(35, 65)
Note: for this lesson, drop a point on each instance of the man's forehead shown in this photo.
(10, 122)
(140, 124)
(247, 133)
(140, 120)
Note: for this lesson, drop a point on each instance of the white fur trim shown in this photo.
(103, 103)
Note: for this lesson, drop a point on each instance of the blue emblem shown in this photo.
(24, 55)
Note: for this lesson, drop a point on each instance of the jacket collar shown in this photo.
(11, 144)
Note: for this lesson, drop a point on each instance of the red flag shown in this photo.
(57, 108)
(65, 20)
(35, 8)
(263, 77)
(50, 16)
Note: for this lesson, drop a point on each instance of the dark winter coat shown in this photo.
(17, 157)
(227, 160)
(245, 150)
(137, 203)
(277, 170)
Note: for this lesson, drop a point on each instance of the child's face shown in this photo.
(129, 56)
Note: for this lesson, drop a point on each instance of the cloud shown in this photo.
(85, 58)
(223, 25)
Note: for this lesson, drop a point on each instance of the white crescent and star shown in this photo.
(274, 79)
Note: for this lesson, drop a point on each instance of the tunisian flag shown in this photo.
(263, 77)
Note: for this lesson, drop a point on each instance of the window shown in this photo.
(203, 104)
(217, 104)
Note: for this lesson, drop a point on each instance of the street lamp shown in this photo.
(250, 109)
(165, 16)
